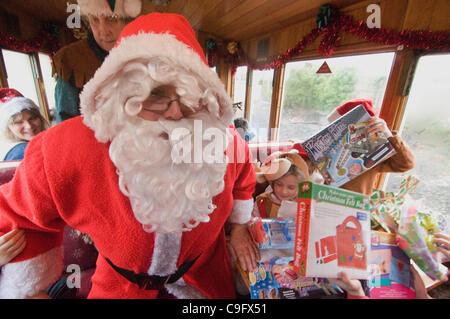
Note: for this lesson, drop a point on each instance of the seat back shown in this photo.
(7, 170)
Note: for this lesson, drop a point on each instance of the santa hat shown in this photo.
(12, 102)
(278, 163)
(119, 8)
(301, 151)
(350, 105)
(165, 35)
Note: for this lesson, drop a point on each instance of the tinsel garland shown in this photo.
(44, 41)
(330, 23)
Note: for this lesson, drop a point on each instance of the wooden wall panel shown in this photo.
(392, 15)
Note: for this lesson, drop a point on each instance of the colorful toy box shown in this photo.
(391, 277)
(277, 279)
(344, 149)
(333, 232)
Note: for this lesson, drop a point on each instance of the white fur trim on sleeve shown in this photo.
(241, 211)
(27, 278)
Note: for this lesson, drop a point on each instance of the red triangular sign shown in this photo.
(324, 68)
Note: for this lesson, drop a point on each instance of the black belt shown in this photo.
(147, 282)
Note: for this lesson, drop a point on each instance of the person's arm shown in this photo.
(242, 247)
(241, 243)
(66, 100)
(26, 203)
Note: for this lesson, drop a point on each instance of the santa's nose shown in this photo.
(174, 111)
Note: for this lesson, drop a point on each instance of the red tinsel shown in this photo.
(411, 39)
(44, 41)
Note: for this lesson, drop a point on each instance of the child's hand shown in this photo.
(242, 247)
(419, 285)
(443, 243)
(376, 124)
(11, 244)
(351, 286)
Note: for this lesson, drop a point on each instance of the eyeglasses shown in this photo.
(159, 104)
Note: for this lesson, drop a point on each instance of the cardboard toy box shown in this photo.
(333, 232)
(391, 277)
(344, 149)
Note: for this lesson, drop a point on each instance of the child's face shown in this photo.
(286, 188)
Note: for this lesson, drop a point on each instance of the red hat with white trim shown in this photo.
(350, 105)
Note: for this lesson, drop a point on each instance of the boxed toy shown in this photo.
(271, 233)
(391, 277)
(344, 149)
(333, 232)
(277, 279)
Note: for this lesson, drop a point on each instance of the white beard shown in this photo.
(169, 193)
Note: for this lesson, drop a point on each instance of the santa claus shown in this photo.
(149, 171)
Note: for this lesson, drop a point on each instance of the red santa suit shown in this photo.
(67, 177)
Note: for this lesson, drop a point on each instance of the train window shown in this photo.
(308, 97)
(240, 85)
(261, 96)
(49, 80)
(426, 130)
(20, 75)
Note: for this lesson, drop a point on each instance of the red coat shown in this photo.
(68, 177)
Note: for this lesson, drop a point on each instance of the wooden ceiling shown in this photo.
(236, 20)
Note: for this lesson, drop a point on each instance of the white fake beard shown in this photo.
(166, 195)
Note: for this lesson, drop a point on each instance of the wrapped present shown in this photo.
(413, 223)
(416, 241)
(386, 205)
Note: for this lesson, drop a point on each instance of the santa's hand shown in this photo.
(243, 248)
(351, 286)
(11, 244)
(443, 245)
(376, 125)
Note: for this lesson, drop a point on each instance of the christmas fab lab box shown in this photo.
(333, 232)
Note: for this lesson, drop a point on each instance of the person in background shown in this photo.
(76, 63)
(20, 121)
(242, 126)
(403, 160)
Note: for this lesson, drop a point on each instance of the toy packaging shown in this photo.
(415, 240)
(271, 233)
(333, 232)
(344, 149)
(277, 279)
(390, 276)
